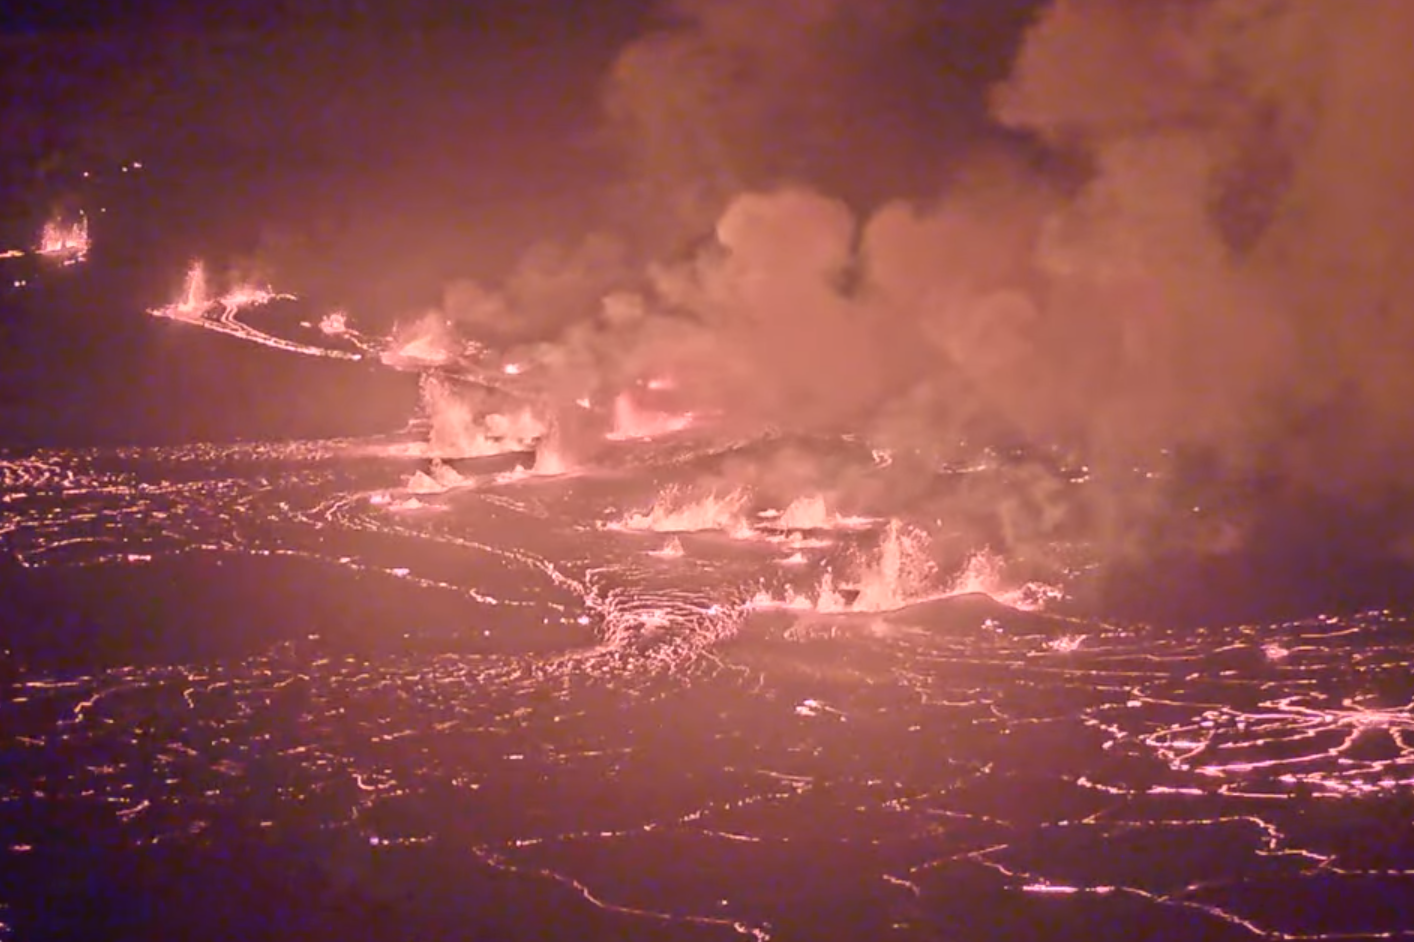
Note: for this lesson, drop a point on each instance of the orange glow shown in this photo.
(634, 423)
(335, 323)
(427, 341)
(68, 243)
(196, 301)
(193, 301)
(900, 573)
(244, 296)
(673, 512)
(196, 305)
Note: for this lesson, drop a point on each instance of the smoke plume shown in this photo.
(863, 100)
(1178, 246)
(1240, 231)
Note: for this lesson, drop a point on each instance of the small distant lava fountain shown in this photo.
(334, 324)
(67, 243)
(901, 573)
(438, 478)
(196, 302)
(811, 512)
(632, 423)
(672, 512)
(196, 305)
(550, 459)
(427, 341)
(672, 549)
(460, 430)
(984, 575)
(246, 296)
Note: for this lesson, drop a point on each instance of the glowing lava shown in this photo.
(632, 423)
(669, 550)
(984, 574)
(334, 324)
(900, 573)
(196, 305)
(812, 512)
(460, 430)
(674, 513)
(69, 244)
(425, 342)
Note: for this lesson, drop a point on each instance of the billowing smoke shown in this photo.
(1233, 279)
(1180, 251)
(750, 94)
(1240, 237)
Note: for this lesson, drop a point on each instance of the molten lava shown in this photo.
(67, 243)
(196, 305)
(632, 423)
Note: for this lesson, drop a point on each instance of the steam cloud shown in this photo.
(746, 94)
(1183, 243)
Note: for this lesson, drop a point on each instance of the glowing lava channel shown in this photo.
(196, 306)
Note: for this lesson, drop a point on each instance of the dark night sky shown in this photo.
(370, 153)
(93, 61)
(92, 75)
(138, 15)
(467, 131)
(282, 109)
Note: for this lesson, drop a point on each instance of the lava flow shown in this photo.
(221, 313)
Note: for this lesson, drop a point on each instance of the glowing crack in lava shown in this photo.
(945, 721)
(1347, 749)
(638, 703)
(196, 305)
(1159, 777)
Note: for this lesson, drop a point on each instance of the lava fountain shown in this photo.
(69, 244)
